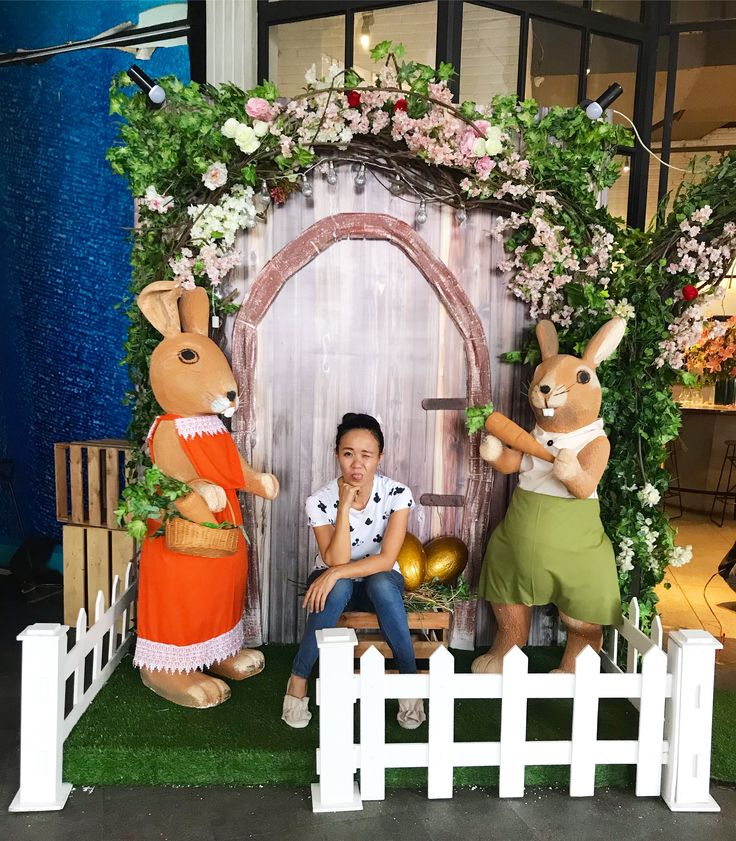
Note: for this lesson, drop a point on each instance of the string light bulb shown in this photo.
(360, 176)
(461, 214)
(264, 195)
(421, 216)
(331, 173)
(306, 187)
(397, 186)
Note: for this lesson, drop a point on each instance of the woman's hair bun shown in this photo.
(353, 420)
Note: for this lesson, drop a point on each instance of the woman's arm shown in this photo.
(334, 541)
(393, 538)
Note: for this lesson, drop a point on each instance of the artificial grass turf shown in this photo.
(130, 736)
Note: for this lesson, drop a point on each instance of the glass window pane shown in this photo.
(611, 60)
(554, 63)
(704, 115)
(294, 47)
(618, 195)
(413, 26)
(628, 9)
(490, 53)
(692, 10)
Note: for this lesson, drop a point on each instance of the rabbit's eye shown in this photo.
(583, 377)
(188, 356)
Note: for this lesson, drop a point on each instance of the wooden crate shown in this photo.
(90, 476)
(423, 625)
(92, 558)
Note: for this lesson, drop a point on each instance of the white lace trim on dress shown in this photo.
(159, 656)
(199, 425)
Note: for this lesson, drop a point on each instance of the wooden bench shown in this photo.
(429, 630)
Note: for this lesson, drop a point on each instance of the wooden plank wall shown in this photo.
(360, 329)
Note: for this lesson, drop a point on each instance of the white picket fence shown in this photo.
(47, 666)
(673, 693)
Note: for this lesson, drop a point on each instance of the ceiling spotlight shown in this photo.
(595, 108)
(421, 216)
(461, 214)
(155, 93)
(264, 196)
(331, 173)
(397, 186)
(306, 187)
(365, 31)
(360, 176)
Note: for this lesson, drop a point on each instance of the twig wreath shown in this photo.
(209, 164)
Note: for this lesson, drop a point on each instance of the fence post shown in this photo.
(41, 719)
(336, 790)
(441, 724)
(689, 721)
(584, 723)
(513, 724)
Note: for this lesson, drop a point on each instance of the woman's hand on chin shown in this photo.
(316, 596)
(348, 494)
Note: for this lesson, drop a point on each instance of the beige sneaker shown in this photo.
(411, 713)
(295, 712)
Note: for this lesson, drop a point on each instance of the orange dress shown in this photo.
(190, 609)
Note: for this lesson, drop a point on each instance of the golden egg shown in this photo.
(446, 558)
(412, 562)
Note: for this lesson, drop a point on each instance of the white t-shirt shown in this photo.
(368, 526)
(536, 474)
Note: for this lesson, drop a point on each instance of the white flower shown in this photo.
(625, 555)
(246, 140)
(260, 128)
(156, 202)
(493, 141)
(215, 176)
(622, 308)
(230, 128)
(479, 147)
(649, 495)
(681, 555)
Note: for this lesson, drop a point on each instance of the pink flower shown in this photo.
(469, 136)
(483, 167)
(258, 108)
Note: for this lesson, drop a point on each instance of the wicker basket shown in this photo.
(188, 538)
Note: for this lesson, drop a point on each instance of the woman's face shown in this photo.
(358, 456)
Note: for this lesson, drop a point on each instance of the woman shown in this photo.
(359, 520)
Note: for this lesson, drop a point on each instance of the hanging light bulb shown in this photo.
(360, 176)
(421, 216)
(365, 31)
(264, 195)
(397, 186)
(331, 173)
(461, 214)
(306, 187)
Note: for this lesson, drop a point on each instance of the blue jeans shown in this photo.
(380, 593)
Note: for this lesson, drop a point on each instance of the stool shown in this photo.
(428, 629)
(728, 492)
(673, 491)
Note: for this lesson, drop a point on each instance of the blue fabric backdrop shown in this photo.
(63, 247)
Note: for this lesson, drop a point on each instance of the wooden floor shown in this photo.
(684, 604)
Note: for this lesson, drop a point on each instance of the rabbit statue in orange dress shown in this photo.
(189, 607)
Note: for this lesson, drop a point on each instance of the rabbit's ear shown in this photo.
(194, 309)
(547, 338)
(159, 304)
(605, 341)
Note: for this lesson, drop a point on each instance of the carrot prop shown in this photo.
(512, 434)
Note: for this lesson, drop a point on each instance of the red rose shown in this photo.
(689, 292)
(353, 99)
(400, 105)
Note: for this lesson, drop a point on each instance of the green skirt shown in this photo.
(552, 550)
